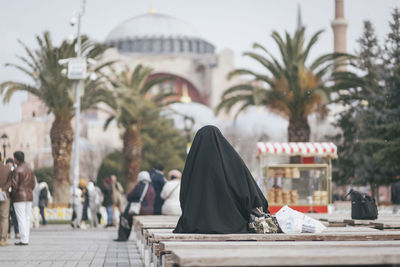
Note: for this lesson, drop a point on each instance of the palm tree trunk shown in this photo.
(132, 152)
(61, 135)
(298, 131)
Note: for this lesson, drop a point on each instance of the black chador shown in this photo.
(217, 190)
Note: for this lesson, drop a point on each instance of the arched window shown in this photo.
(190, 46)
(176, 45)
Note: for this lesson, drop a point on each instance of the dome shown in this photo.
(157, 33)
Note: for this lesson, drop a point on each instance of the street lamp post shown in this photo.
(5, 138)
(188, 126)
(77, 71)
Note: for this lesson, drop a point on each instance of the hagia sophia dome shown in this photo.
(157, 33)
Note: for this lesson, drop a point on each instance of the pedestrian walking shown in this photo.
(77, 207)
(44, 199)
(22, 182)
(12, 222)
(85, 204)
(35, 216)
(5, 183)
(94, 203)
(158, 180)
(395, 190)
(170, 194)
(108, 201)
(143, 193)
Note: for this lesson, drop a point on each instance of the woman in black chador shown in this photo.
(217, 190)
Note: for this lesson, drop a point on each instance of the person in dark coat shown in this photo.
(108, 201)
(158, 180)
(147, 205)
(22, 183)
(395, 190)
(218, 192)
(13, 218)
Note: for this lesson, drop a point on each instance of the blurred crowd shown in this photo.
(107, 205)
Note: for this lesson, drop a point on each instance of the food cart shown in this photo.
(305, 186)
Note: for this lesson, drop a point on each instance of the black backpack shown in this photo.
(363, 207)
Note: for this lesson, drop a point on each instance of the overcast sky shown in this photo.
(234, 24)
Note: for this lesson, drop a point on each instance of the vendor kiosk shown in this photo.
(305, 186)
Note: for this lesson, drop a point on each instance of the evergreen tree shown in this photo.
(356, 163)
(385, 143)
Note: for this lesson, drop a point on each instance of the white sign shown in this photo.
(77, 69)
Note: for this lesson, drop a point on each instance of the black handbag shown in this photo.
(363, 207)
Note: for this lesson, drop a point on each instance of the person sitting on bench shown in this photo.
(218, 191)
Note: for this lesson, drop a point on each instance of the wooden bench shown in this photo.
(141, 223)
(152, 232)
(156, 237)
(287, 254)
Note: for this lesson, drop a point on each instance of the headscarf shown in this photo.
(218, 192)
(174, 173)
(144, 176)
(82, 183)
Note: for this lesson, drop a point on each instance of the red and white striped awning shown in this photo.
(298, 149)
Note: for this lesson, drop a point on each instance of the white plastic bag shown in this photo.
(294, 222)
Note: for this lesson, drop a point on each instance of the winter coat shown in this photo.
(170, 194)
(396, 192)
(94, 196)
(158, 180)
(76, 198)
(107, 195)
(117, 191)
(148, 201)
(22, 183)
(5, 181)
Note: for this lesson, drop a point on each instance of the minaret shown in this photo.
(299, 19)
(339, 26)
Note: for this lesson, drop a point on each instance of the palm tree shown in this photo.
(55, 91)
(133, 106)
(290, 87)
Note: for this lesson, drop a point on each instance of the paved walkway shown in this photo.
(60, 245)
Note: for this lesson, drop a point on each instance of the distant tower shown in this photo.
(299, 19)
(339, 26)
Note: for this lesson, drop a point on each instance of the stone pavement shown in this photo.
(60, 245)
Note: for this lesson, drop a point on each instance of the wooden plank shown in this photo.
(159, 225)
(150, 231)
(168, 246)
(282, 256)
(328, 236)
(386, 224)
(143, 220)
(171, 245)
(349, 229)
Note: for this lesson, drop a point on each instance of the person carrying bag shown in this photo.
(141, 202)
(134, 207)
